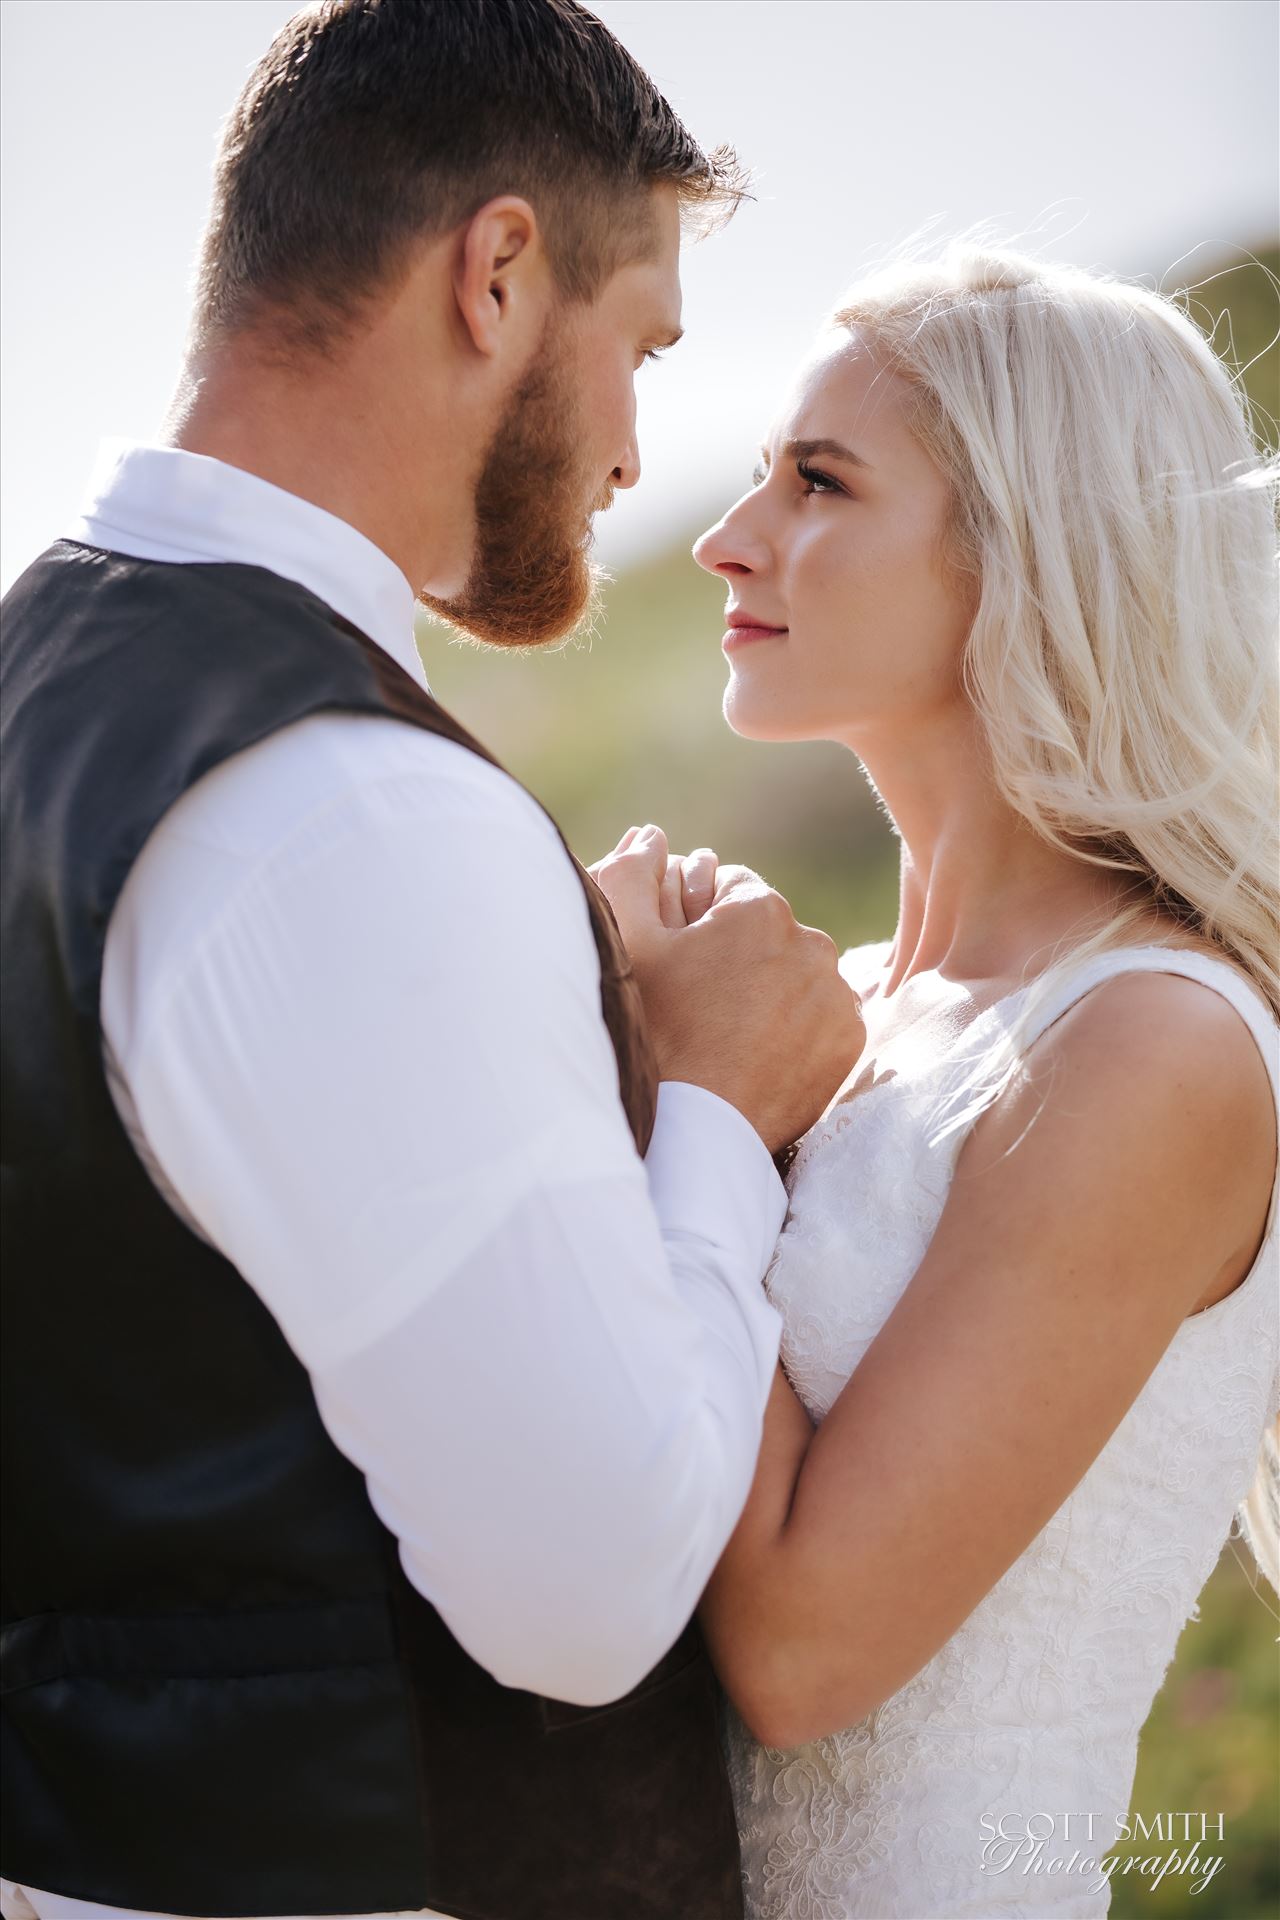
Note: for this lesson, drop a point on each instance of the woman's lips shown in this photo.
(740, 636)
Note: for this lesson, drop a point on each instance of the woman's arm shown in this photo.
(1123, 1180)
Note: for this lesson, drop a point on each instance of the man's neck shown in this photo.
(324, 436)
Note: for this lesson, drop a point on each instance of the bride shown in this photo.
(1011, 544)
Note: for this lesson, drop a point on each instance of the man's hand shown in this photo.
(740, 998)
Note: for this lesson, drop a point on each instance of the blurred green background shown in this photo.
(629, 729)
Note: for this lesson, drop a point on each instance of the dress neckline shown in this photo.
(1251, 995)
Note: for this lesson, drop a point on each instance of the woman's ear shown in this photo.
(501, 277)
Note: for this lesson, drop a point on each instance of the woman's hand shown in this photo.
(688, 886)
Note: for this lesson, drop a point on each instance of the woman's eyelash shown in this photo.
(653, 353)
(816, 480)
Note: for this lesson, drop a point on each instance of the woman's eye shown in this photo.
(815, 480)
(759, 476)
(652, 353)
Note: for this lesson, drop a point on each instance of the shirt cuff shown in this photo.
(711, 1177)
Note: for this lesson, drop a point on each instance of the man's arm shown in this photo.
(363, 1044)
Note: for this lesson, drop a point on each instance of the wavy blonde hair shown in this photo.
(1115, 522)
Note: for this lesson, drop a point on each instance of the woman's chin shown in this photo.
(753, 717)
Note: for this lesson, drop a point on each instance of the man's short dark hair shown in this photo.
(370, 124)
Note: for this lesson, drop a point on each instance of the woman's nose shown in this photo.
(728, 548)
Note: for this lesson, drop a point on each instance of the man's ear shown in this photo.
(502, 276)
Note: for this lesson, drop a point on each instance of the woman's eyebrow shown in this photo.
(820, 449)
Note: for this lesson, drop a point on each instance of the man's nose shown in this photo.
(627, 471)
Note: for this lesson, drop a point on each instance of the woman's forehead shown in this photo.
(843, 388)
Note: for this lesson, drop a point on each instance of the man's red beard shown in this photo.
(531, 580)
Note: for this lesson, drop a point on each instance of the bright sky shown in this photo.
(1148, 126)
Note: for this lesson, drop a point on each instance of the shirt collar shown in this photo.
(163, 503)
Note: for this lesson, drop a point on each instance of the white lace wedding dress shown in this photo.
(1034, 1706)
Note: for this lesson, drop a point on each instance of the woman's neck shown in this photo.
(982, 894)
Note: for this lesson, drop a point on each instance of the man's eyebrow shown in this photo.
(828, 449)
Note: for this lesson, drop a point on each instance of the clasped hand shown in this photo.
(739, 997)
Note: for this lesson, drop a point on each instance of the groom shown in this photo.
(386, 1352)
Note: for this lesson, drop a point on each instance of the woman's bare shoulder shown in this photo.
(1147, 1030)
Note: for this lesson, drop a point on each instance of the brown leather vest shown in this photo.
(221, 1694)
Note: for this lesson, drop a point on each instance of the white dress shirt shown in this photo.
(351, 1015)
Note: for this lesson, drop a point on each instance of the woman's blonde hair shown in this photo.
(1114, 520)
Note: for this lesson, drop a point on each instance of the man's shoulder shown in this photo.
(358, 828)
(340, 765)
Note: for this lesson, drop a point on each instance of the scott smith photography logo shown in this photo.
(1058, 1843)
